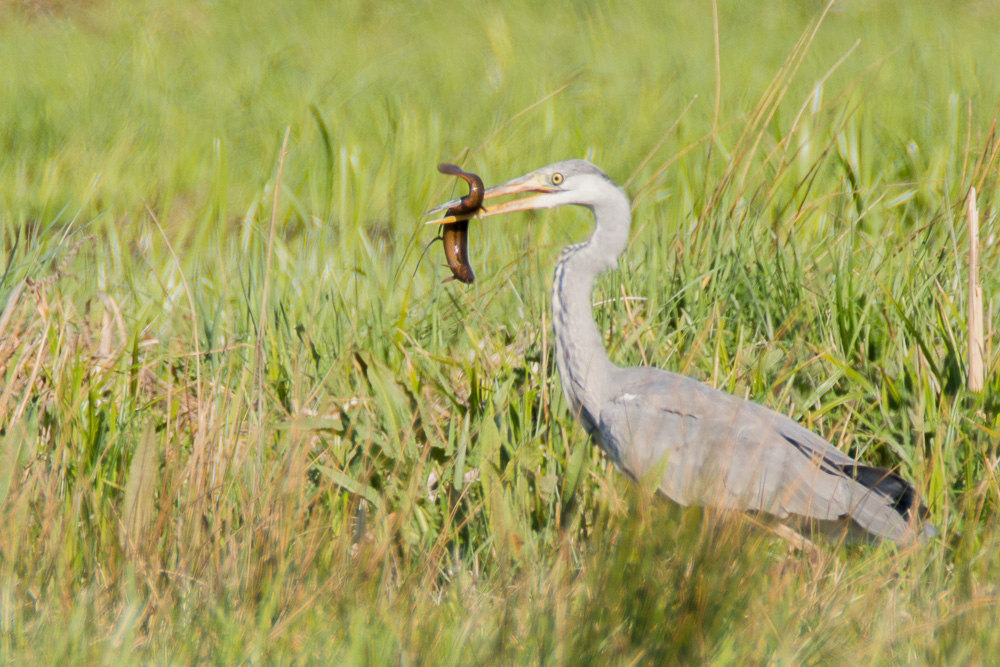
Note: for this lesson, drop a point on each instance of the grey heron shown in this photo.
(703, 446)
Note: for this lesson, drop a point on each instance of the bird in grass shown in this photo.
(702, 446)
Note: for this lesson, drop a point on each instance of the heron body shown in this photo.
(704, 446)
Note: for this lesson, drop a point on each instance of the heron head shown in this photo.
(558, 184)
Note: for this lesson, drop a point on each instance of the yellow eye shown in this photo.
(557, 178)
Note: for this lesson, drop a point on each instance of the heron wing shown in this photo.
(707, 447)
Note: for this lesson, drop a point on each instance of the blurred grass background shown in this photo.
(227, 436)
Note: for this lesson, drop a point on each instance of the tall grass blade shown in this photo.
(974, 318)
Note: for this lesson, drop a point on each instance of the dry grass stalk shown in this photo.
(43, 334)
(139, 500)
(975, 314)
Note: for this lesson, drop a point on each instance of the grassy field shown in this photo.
(242, 418)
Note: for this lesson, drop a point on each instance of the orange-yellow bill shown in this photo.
(532, 183)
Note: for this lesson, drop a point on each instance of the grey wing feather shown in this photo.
(711, 448)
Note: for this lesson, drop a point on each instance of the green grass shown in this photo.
(221, 431)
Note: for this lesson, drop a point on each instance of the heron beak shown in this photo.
(532, 183)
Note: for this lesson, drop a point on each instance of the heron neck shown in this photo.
(584, 368)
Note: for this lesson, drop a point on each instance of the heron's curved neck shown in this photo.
(584, 368)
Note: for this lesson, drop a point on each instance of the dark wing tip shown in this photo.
(888, 485)
(900, 493)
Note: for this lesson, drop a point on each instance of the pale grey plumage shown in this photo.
(705, 446)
